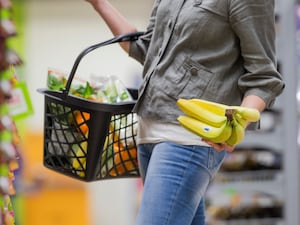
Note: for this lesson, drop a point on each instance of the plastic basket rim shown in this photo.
(88, 104)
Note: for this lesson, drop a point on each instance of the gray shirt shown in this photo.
(218, 50)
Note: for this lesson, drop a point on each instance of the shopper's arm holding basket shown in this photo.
(117, 23)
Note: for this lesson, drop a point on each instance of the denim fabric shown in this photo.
(175, 180)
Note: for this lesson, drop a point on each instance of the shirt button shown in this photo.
(194, 71)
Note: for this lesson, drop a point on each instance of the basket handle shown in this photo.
(120, 38)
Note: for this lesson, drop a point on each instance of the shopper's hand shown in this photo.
(220, 146)
(95, 3)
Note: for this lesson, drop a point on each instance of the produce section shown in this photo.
(257, 185)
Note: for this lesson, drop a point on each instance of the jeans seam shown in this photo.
(179, 187)
(209, 159)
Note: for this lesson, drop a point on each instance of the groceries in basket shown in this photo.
(118, 156)
(108, 89)
(121, 153)
(69, 133)
(89, 126)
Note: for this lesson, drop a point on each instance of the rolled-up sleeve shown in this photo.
(253, 21)
(139, 48)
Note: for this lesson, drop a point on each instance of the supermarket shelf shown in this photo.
(270, 182)
(249, 176)
(267, 221)
(265, 139)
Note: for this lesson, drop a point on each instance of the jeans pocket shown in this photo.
(215, 160)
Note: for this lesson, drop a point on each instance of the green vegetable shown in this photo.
(56, 83)
(83, 91)
(111, 91)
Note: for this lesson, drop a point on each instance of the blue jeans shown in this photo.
(175, 180)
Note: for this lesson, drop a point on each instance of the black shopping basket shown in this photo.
(108, 149)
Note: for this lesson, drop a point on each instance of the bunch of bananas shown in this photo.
(216, 122)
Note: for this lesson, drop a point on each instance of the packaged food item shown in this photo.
(105, 89)
(111, 89)
(56, 80)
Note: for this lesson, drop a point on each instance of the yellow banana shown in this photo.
(217, 108)
(249, 114)
(200, 113)
(200, 128)
(237, 134)
(225, 134)
(240, 120)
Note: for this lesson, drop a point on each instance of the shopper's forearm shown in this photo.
(116, 22)
(253, 101)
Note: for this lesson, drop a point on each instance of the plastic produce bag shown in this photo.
(108, 89)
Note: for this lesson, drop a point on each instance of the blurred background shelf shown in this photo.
(267, 221)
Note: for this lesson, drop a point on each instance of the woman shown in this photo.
(222, 51)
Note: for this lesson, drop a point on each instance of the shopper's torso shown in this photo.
(195, 55)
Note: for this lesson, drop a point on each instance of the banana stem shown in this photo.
(229, 114)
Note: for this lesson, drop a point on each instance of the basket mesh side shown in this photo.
(65, 139)
(70, 142)
(119, 157)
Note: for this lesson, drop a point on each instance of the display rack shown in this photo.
(8, 132)
(260, 182)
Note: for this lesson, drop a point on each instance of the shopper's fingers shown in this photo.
(220, 146)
